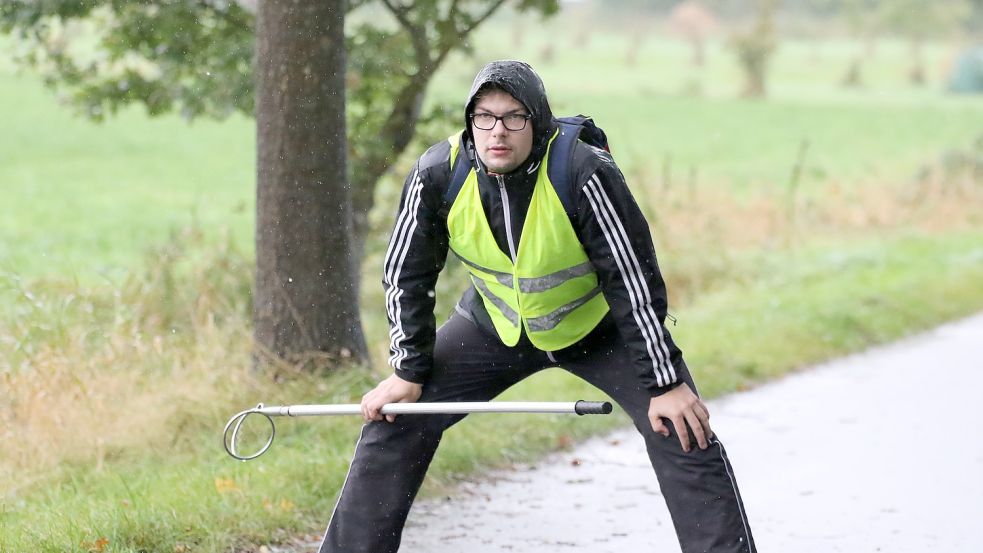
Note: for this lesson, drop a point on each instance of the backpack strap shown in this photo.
(460, 168)
(570, 130)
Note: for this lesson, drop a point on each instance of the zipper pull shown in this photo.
(671, 318)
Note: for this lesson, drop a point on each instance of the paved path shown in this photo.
(873, 452)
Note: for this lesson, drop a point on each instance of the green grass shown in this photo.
(813, 304)
(85, 201)
(185, 492)
(202, 498)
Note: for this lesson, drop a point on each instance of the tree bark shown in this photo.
(306, 303)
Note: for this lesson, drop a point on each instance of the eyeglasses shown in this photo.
(487, 121)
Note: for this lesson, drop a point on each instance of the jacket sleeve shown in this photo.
(618, 243)
(415, 256)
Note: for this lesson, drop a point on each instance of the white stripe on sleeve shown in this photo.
(631, 273)
(399, 245)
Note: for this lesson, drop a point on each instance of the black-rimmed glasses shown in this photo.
(487, 121)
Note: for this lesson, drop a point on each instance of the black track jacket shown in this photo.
(607, 220)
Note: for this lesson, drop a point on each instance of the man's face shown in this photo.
(500, 149)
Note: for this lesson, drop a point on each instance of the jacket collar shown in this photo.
(524, 173)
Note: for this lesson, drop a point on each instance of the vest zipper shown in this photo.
(507, 213)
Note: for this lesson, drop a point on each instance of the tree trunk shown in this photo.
(916, 73)
(306, 305)
(755, 48)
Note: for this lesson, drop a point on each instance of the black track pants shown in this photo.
(391, 459)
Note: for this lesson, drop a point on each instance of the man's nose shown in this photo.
(499, 127)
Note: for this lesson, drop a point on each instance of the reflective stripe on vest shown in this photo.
(547, 322)
(505, 308)
(551, 290)
(553, 280)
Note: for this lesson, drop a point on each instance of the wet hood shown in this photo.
(518, 79)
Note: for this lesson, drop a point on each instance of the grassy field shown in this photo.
(157, 480)
(86, 201)
(114, 189)
(126, 268)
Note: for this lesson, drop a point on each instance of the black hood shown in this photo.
(518, 79)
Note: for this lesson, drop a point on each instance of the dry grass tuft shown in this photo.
(93, 375)
(708, 231)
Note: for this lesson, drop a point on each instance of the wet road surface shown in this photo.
(873, 452)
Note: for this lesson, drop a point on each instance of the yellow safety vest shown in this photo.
(551, 289)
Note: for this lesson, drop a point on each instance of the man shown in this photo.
(578, 288)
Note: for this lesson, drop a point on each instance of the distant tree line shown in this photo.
(754, 27)
(815, 9)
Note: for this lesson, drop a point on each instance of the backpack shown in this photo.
(571, 129)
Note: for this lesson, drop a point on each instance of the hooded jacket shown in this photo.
(518, 79)
(608, 223)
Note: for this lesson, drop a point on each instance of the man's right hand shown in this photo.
(391, 390)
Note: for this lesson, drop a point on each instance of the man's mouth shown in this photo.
(499, 149)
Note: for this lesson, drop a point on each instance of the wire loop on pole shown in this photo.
(235, 423)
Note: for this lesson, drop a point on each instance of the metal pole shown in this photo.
(449, 408)
(231, 432)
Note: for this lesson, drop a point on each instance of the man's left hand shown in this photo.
(684, 408)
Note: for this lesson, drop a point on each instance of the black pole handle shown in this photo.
(592, 407)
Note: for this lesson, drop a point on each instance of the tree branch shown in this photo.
(399, 12)
(418, 35)
(451, 11)
(459, 35)
(480, 20)
(352, 5)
